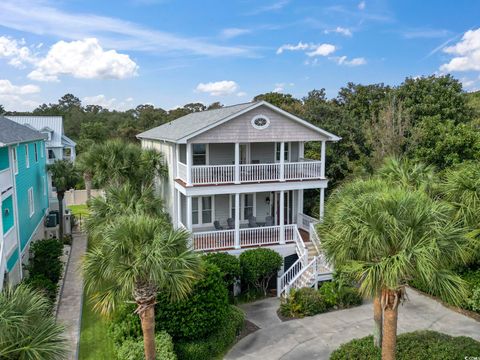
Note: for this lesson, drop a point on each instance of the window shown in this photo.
(44, 186)
(51, 154)
(15, 160)
(277, 151)
(199, 154)
(247, 206)
(202, 210)
(27, 158)
(42, 150)
(31, 203)
(260, 122)
(35, 151)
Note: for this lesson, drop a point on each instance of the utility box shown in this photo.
(67, 220)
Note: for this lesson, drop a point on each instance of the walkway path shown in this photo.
(70, 306)
(316, 337)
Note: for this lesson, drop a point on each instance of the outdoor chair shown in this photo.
(269, 221)
(216, 223)
(252, 221)
(230, 223)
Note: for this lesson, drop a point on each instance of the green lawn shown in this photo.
(94, 341)
(79, 209)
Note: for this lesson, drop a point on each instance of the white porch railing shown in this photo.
(214, 240)
(304, 221)
(222, 174)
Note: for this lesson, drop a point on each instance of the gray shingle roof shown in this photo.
(12, 133)
(189, 124)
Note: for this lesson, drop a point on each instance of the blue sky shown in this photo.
(170, 52)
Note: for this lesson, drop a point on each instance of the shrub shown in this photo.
(201, 313)
(125, 325)
(216, 343)
(329, 292)
(44, 285)
(339, 296)
(228, 264)
(303, 302)
(133, 349)
(259, 266)
(418, 345)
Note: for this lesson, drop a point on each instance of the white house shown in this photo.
(236, 180)
(58, 145)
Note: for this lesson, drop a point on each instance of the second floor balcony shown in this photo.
(213, 164)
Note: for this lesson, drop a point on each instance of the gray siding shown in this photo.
(221, 154)
(240, 129)
(294, 151)
(183, 153)
(222, 213)
(263, 152)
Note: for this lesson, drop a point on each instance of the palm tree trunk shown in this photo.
(391, 299)
(378, 320)
(60, 196)
(88, 184)
(147, 318)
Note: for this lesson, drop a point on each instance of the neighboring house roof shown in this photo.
(193, 124)
(53, 124)
(13, 133)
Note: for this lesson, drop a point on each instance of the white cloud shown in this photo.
(112, 103)
(466, 53)
(38, 17)
(12, 97)
(218, 88)
(272, 7)
(241, 94)
(14, 50)
(362, 5)
(7, 88)
(290, 47)
(315, 49)
(340, 30)
(234, 32)
(343, 60)
(84, 59)
(322, 50)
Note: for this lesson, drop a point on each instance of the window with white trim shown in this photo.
(15, 160)
(27, 157)
(35, 151)
(31, 202)
(42, 150)
(199, 154)
(247, 206)
(202, 210)
(44, 186)
(278, 149)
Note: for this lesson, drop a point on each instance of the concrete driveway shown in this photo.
(317, 336)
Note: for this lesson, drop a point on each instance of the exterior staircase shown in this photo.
(310, 268)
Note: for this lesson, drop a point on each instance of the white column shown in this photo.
(237, 221)
(322, 199)
(189, 213)
(177, 159)
(237, 163)
(282, 217)
(300, 201)
(189, 164)
(282, 161)
(179, 208)
(322, 159)
(301, 149)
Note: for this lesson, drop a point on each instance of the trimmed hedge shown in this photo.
(418, 345)
(201, 313)
(134, 350)
(228, 264)
(259, 266)
(217, 343)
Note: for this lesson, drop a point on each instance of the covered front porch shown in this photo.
(243, 220)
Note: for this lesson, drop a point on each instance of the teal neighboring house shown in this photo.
(23, 195)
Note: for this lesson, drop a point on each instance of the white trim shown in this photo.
(200, 211)
(31, 202)
(27, 157)
(260, 116)
(15, 159)
(330, 136)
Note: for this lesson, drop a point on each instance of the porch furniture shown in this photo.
(216, 223)
(269, 221)
(230, 223)
(252, 221)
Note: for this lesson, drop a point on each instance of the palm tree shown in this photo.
(386, 237)
(64, 177)
(116, 162)
(138, 257)
(27, 328)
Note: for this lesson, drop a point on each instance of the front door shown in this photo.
(287, 205)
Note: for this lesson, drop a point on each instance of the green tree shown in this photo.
(384, 236)
(27, 328)
(139, 257)
(64, 177)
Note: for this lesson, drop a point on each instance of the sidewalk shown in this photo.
(70, 306)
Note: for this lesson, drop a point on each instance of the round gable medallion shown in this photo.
(260, 122)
